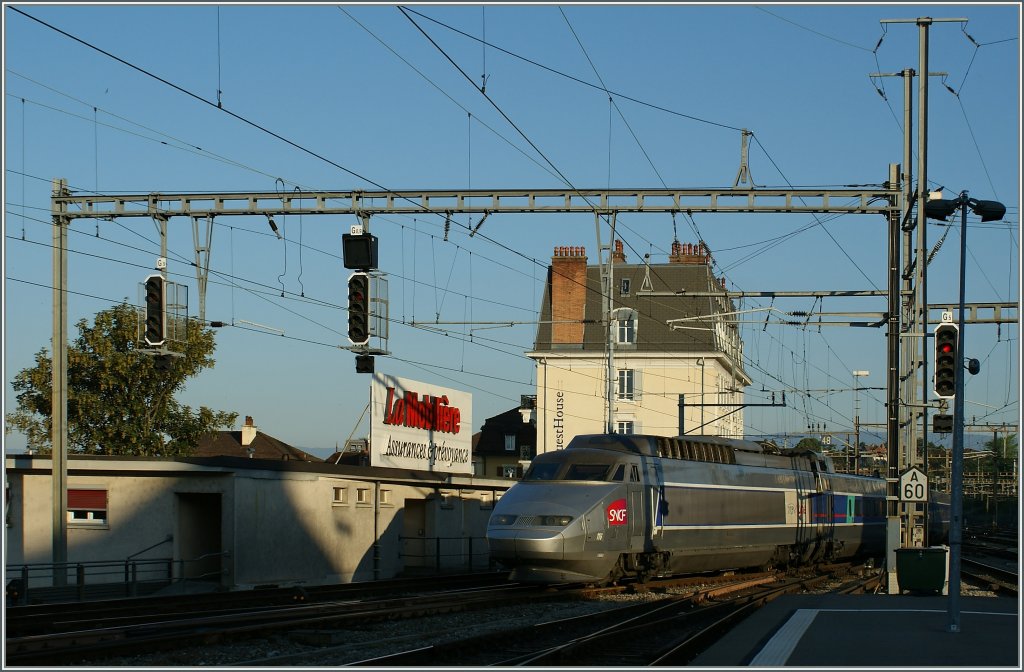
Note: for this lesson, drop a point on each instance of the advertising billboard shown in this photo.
(421, 426)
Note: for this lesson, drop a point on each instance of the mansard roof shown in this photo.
(654, 334)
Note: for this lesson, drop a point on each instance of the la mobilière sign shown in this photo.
(421, 426)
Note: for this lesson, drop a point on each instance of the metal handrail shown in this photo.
(464, 551)
(169, 538)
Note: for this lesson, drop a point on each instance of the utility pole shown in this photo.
(920, 322)
(59, 389)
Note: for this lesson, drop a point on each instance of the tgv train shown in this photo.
(614, 505)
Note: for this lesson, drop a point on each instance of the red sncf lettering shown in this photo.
(617, 512)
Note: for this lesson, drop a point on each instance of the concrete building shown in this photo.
(239, 522)
(507, 442)
(661, 372)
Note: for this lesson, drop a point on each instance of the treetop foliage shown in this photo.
(120, 396)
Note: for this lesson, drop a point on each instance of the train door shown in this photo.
(805, 487)
(825, 518)
(636, 509)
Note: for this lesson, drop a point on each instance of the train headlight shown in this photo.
(554, 521)
(503, 519)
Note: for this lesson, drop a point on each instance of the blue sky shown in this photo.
(363, 87)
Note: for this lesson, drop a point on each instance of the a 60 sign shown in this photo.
(913, 492)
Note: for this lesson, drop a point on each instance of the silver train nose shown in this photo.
(525, 544)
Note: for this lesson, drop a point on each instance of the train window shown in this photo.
(586, 472)
(542, 471)
(634, 473)
(620, 473)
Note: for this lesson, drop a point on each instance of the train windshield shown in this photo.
(571, 471)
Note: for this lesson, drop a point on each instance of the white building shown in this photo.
(236, 523)
(668, 380)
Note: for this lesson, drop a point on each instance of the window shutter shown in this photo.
(89, 500)
(638, 386)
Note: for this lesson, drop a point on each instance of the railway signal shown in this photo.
(359, 309)
(947, 369)
(156, 326)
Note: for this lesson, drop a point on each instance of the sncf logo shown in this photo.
(617, 512)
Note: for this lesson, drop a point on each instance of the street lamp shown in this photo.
(856, 420)
(988, 211)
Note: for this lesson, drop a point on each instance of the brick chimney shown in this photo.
(568, 294)
(248, 431)
(689, 253)
(618, 256)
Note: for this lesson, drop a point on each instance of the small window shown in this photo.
(87, 507)
(510, 443)
(385, 498)
(626, 329)
(340, 495)
(620, 473)
(624, 427)
(625, 390)
(524, 452)
(634, 473)
(363, 496)
(624, 287)
(508, 470)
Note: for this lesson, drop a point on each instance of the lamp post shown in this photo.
(856, 420)
(988, 211)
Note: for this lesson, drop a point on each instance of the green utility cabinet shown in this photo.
(923, 570)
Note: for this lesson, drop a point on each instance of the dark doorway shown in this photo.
(199, 536)
(414, 542)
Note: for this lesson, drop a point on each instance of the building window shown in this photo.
(624, 287)
(624, 427)
(385, 497)
(510, 443)
(340, 495)
(625, 331)
(508, 470)
(524, 452)
(626, 389)
(87, 507)
(363, 496)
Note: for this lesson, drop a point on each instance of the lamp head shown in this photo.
(989, 211)
(941, 208)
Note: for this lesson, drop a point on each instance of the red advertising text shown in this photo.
(430, 413)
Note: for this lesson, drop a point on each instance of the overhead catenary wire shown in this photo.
(23, 201)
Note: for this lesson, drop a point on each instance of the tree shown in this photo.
(120, 400)
(1004, 446)
(809, 443)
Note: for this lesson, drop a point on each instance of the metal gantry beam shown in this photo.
(449, 201)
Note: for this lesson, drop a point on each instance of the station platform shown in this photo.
(818, 631)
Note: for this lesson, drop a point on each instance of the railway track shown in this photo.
(73, 638)
(995, 575)
(46, 618)
(669, 630)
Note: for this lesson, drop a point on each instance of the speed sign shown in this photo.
(913, 486)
